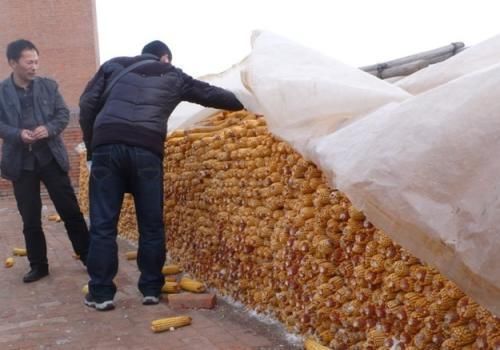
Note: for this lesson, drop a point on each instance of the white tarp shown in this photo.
(423, 168)
(304, 94)
(427, 172)
(187, 114)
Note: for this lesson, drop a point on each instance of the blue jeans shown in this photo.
(117, 169)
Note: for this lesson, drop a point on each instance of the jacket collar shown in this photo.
(11, 94)
(150, 56)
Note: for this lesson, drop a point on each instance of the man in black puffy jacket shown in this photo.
(124, 129)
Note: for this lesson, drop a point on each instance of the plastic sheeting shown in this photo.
(304, 94)
(423, 168)
(187, 114)
(427, 172)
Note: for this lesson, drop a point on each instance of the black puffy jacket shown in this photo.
(139, 104)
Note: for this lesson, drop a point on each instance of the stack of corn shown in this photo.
(252, 218)
(127, 225)
(83, 187)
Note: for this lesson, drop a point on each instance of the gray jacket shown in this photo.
(50, 110)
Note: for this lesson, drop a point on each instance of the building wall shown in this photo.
(65, 33)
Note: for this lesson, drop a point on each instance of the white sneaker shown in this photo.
(150, 300)
(104, 306)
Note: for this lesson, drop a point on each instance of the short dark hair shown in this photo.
(15, 49)
(157, 48)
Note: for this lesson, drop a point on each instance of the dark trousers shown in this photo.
(117, 169)
(29, 203)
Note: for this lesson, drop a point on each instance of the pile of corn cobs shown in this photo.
(248, 215)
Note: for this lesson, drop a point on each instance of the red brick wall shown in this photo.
(64, 32)
(72, 136)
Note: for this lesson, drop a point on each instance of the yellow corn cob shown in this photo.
(165, 324)
(171, 287)
(356, 214)
(85, 289)
(175, 134)
(171, 269)
(310, 344)
(463, 335)
(55, 218)
(9, 262)
(376, 338)
(192, 285)
(131, 255)
(170, 279)
(19, 251)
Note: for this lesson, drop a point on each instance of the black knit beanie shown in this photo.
(157, 48)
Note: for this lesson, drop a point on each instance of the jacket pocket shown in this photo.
(11, 161)
(46, 108)
(101, 160)
(59, 152)
(149, 165)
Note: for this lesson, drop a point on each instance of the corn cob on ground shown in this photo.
(170, 323)
(191, 285)
(131, 255)
(171, 287)
(171, 278)
(19, 252)
(171, 269)
(54, 217)
(9, 262)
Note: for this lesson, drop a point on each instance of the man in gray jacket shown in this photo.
(32, 116)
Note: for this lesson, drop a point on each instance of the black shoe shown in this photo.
(35, 274)
(103, 306)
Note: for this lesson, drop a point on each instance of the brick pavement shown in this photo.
(49, 314)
